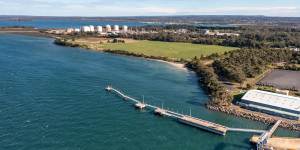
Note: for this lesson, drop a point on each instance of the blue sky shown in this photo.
(149, 7)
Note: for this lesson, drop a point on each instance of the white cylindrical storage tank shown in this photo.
(85, 29)
(125, 28)
(116, 28)
(92, 28)
(108, 28)
(99, 29)
(77, 30)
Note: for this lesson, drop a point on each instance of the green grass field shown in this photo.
(168, 49)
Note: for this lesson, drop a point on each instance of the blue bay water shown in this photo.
(63, 23)
(53, 97)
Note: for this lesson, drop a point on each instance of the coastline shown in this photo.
(35, 33)
(171, 61)
(231, 110)
(180, 66)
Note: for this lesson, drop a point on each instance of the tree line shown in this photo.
(296, 58)
(238, 65)
(209, 81)
(250, 36)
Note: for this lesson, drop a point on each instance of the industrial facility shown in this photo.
(272, 103)
(94, 29)
(103, 30)
(217, 33)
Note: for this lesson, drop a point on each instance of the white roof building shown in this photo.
(272, 103)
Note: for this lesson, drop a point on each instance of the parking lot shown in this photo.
(282, 79)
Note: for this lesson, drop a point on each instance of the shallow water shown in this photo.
(53, 97)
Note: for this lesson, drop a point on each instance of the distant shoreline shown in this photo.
(38, 33)
(25, 31)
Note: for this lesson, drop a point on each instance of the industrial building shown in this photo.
(98, 29)
(272, 103)
(217, 33)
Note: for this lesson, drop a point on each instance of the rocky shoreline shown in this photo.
(256, 116)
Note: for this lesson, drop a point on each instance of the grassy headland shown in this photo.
(144, 48)
(168, 49)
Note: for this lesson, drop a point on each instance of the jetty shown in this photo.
(189, 120)
(198, 122)
(281, 143)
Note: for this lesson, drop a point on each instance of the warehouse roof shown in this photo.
(273, 99)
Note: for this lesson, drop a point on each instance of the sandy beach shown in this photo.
(174, 64)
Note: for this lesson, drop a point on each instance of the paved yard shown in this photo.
(283, 79)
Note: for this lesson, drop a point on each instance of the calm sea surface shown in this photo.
(63, 23)
(53, 97)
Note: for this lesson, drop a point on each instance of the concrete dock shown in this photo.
(279, 143)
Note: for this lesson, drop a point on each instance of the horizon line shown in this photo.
(115, 16)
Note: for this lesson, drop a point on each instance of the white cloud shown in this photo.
(246, 9)
(273, 10)
(136, 8)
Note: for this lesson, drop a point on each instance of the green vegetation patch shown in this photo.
(168, 49)
(238, 65)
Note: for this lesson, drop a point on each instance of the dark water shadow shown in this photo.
(196, 103)
(228, 146)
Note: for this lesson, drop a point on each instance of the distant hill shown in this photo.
(196, 19)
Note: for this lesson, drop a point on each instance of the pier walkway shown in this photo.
(246, 130)
(186, 119)
(262, 141)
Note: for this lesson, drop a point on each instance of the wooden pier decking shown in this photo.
(203, 124)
